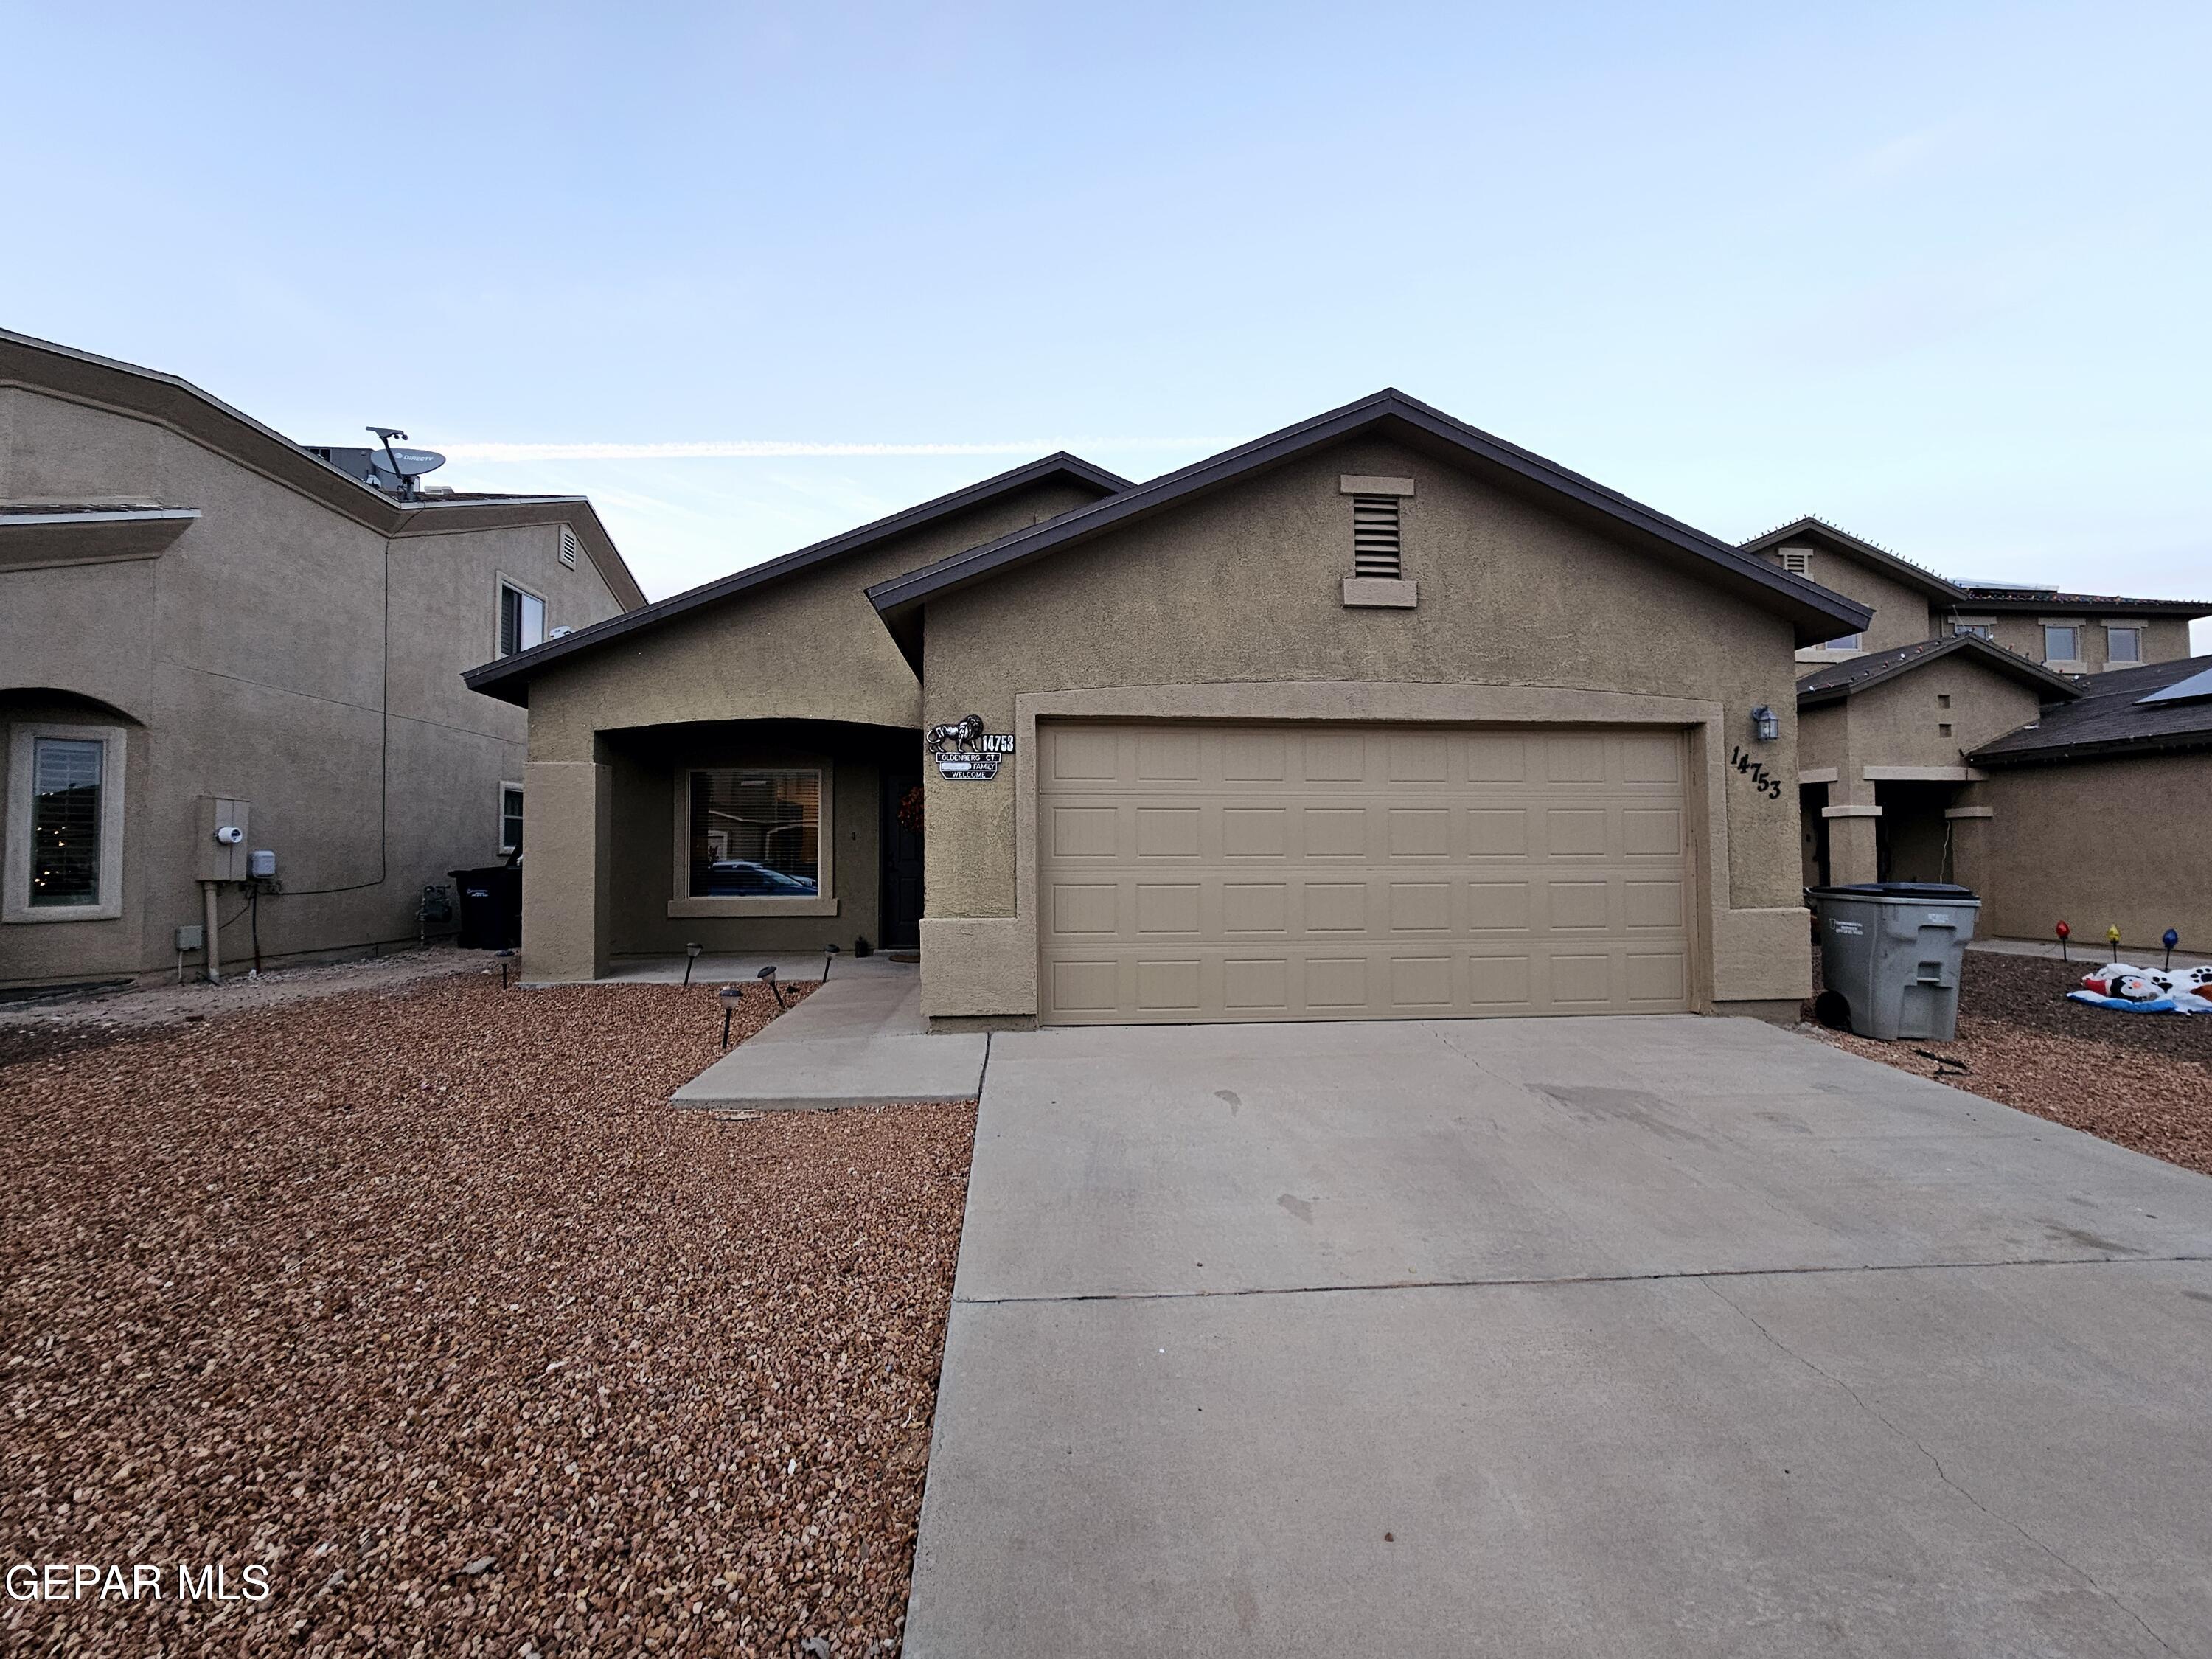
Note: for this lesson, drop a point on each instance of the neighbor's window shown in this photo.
(67, 775)
(510, 817)
(521, 620)
(1982, 631)
(2123, 645)
(756, 833)
(2061, 644)
(1842, 642)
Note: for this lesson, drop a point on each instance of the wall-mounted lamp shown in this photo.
(1765, 724)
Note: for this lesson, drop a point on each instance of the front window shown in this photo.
(756, 833)
(67, 774)
(2061, 644)
(521, 620)
(2124, 644)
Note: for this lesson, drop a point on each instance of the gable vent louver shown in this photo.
(1375, 549)
(1796, 561)
(569, 546)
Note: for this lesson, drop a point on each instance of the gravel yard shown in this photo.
(424, 1299)
(2143, 1080)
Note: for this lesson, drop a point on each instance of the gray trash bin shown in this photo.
(1893, 950)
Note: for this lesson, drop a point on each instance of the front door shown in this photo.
(902, 845)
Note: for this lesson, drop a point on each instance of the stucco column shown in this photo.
(1852, 856)
(1970, 844)
(567, 833)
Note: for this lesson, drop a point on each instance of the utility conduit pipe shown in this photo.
(209, 932)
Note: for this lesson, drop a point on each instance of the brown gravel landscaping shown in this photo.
(425, 1300)
(2143, 1080)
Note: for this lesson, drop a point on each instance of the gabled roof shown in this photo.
(1816, 613)
(2110, 717)
(509, 678)
(1821, 532)
(169, 401)
(1995, 599)
(1833, 684)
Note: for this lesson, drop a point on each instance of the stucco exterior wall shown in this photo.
(2164, 638)
(1241, 588)
(2081, 843)
(1900, 722)
(251, 655)
(1900, 612)
(807, 648)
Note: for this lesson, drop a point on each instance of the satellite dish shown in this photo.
(416, 462)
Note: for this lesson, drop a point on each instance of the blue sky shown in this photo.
(1937, 272)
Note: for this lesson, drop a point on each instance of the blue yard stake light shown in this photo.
(2172, 939)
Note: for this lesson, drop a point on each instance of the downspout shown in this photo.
(210, 930)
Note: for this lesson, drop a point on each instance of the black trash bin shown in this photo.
(491, 907)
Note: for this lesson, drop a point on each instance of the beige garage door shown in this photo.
(1214, 871)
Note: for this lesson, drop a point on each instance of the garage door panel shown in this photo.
(1206, 872)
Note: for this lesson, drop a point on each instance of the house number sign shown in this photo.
(966, 753)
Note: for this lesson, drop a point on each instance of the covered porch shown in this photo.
(756, 839)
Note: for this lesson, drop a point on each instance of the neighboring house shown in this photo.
(204, 625)
(2067, 633)
(2101, 813)
(1888, 713)
(1376, 717)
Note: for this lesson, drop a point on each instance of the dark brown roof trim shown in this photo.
(2048, 604)
(1817, 613)
(2159, 743)
(509, 677)
(1834, 684)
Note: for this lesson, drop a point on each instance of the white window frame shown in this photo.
(498, 612)
(1983, 627)
(2080, 641)
(2117, 626)
(505, 845)
(115, 756)
(823, 904)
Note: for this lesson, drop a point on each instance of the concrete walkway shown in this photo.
(858, 1041)
(1664, 1337)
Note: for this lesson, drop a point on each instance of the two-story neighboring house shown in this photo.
(1890, 718)
(206, 627)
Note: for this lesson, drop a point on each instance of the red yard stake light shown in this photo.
(2064, 933)
(2172, 939)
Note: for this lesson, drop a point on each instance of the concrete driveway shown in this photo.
(1663, 1336)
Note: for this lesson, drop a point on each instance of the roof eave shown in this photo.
(507, 678)
(2097, 749)
(1816, 613)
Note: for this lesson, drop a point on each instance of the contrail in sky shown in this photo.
(768, 448)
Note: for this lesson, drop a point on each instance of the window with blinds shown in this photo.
(521, 620)
(1374, 543)
(65, 786)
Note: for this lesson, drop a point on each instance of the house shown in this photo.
(1379, 716)
(1888, 714)
(2067, 633)
(2098, 813)
(205, 627)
